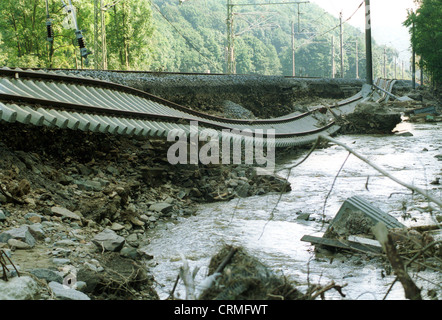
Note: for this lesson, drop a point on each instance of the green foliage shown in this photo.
(426, 36)
(188, 37)
(128, 31)
(24, 38)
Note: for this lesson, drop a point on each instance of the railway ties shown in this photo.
(82, 103)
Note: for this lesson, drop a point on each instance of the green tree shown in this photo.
(169, 36)
(426, 36)
(19, 22)
(129, 28)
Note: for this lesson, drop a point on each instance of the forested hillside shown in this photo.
(188, 36)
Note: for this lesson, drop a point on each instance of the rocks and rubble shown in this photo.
(370, 118)
(83, 201)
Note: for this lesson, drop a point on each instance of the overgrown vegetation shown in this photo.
(190, 36)
(426, 36)
(23, 36)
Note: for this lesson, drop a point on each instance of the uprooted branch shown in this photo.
(423, 192)
(3, 258)
(411, 290)
(316, 291)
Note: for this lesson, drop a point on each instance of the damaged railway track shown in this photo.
(54, 99)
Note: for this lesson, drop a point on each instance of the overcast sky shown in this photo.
(387, 18)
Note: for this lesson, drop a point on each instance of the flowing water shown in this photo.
(318, 191)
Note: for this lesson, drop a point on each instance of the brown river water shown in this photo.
(276, 242)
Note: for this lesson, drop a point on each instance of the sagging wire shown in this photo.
(70, 10)
(110, 5)
(309, 40)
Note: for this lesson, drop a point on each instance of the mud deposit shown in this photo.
(263, 96)
(76, 206)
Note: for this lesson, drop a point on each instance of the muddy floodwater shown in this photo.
(275, 240)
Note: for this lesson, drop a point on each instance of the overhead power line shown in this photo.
(330, 30)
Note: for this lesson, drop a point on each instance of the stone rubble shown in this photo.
(75, 208)
(78, 205)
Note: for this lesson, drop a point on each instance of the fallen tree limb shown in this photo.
(188, 278)
(385, 173)
(321, 290)
(226, 260)
(3, 262)
(412, 292)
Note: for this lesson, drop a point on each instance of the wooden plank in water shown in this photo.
(342, 244)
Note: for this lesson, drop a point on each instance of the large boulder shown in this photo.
(18, 288)
(63, 292)
(108, 240)
(22, 233)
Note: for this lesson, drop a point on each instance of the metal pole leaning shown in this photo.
(369, 60)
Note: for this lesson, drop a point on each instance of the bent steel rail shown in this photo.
(83, 103)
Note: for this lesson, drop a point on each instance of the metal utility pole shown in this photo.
(413, 63)
(403, 69)
(385, 63)
(293, 50)
(333, 56)
(357, 60)
(299, 18)
(395, 67)
(369, 56)
(100, 47)
(231, 68)
(341, 36)
(231, 65)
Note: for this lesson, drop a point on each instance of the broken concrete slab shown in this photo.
(357, 216)
(343, 244)
(18, 288)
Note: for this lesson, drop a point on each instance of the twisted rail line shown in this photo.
(82, 103)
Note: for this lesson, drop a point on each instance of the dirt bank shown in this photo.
(61, 189)
(264, 96)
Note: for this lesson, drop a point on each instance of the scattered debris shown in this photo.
(423, 114)
(351, 227)
(356, 226)
(357, 216)
(121, 279)
(411, 290)
(243, 277)
(4, 259)
(370, 118)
